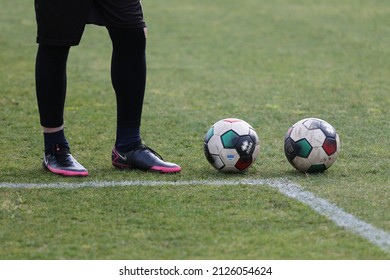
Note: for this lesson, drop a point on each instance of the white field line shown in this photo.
(341, 218)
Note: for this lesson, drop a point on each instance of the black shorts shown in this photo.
(62, 22)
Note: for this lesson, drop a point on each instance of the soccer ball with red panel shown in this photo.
(311, 145)
(231, 145)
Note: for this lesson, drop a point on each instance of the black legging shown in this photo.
(128, 75)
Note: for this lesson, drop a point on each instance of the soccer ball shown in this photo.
(231, 145)
(311, 145)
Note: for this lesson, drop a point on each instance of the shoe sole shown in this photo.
(157, 169)
(67, 173)
(165, 170)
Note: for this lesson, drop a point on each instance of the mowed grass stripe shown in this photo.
(341, 218)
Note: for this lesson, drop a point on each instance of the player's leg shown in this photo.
(128, 73)
(59, 27)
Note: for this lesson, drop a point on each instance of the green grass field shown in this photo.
(270, 63)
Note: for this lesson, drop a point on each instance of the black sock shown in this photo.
(128, 73)
(127, 138)
(50, 75)
(52, 139)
